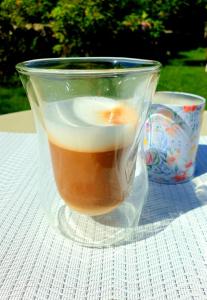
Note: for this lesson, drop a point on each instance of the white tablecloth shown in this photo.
(167, 261)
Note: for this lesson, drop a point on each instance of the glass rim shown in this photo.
(197, 100)
(44, 66)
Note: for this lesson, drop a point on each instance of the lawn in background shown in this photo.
(186, 73)
(13, 99)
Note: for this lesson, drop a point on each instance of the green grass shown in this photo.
(13, 99)
(184, 79)
(185, 73)
(197, 56)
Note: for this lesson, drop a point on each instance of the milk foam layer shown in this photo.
(90, 124)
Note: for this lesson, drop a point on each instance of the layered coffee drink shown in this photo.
(93, 151)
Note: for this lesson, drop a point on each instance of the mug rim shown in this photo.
(117, 65)
(197, 100)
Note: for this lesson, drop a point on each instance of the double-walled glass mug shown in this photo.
(89, 115)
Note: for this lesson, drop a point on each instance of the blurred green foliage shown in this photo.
(24, 33)
(155, 29)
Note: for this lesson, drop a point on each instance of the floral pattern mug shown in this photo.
(171, 136)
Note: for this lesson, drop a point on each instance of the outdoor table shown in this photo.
(167, 260)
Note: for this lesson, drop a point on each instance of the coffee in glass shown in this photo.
(89, 115)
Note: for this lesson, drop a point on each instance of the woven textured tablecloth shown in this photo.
(167, 261)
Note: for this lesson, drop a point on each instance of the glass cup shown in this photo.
(171, 136)
(89, 115)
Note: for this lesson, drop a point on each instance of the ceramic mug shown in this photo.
(171, 136)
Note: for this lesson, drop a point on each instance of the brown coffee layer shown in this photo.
(90, 183)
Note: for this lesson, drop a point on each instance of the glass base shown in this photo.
(99, 231)
(111, 229)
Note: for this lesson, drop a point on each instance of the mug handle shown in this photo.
(161, 109)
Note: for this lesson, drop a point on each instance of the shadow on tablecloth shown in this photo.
(201, 160)
(167, 202)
